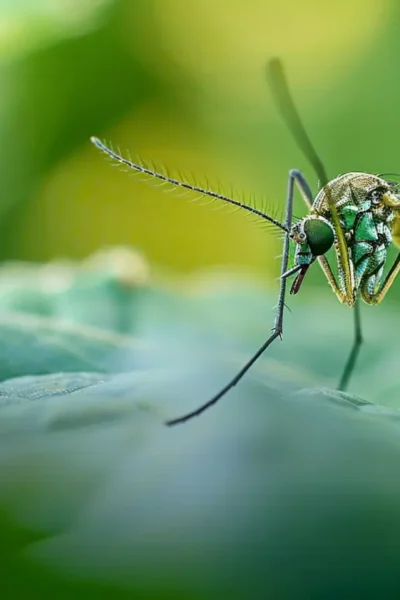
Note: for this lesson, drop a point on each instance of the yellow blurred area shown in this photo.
(226, 43)
(88, 202)
(220, 49)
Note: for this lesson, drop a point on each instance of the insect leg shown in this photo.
(326, 268)
(351, 361)
(387, 284)
(306, 193)
(358, 340)
(278, 325)
(303, 187)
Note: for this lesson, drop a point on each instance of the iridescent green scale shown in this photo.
(367, 207)
(368, 239)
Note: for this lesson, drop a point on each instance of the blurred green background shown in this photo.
(279, 492)
(182, 85)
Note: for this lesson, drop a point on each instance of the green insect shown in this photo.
(356, 214)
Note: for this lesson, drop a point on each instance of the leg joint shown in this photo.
(295, 174)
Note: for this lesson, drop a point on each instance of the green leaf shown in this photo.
(117, 499)
(38, 345)
(284, 475)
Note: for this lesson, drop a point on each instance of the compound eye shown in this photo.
(319, 235)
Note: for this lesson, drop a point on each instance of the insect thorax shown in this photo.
(367, 207)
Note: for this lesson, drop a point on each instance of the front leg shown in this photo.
(352, 359)
(277, 330)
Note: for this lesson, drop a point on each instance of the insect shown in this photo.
(356, 214)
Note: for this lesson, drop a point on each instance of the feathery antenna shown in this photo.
(182, 184)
